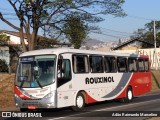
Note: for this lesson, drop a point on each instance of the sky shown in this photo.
(139, 12)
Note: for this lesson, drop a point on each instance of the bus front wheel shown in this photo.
(79, 103)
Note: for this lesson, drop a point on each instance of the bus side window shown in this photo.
(107, 64)
(146, 65)
(132, 64)
(110, 64)
(96, 64)
(66, 72)
(122, 64)
(80, 64)
(67, 69)
(141, 65)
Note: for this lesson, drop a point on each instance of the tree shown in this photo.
(43, 43)
(36, 14)
(29, 14)
(75, 30)
(147, 34)
(149, 26)
(4, 37)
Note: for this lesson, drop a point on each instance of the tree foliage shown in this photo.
(4, 37)
(149, 26)
(35, 14)
(88, 10)
(75, 30)
(43, 43)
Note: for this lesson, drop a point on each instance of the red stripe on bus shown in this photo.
(20, 94)
(89, 99)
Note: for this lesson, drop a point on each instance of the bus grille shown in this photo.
(37, 104)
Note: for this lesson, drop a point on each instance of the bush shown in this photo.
(3, 66)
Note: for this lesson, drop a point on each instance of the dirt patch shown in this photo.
(155, 80)
(6, 90)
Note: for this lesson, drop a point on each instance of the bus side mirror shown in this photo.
(36, 72)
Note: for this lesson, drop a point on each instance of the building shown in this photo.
(14, 37)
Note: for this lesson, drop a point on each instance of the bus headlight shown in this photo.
(15, 95)
(51, 94)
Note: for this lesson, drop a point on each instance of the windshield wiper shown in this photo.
(39, 83)
(23, 79)
(22, 84)
(36, 79)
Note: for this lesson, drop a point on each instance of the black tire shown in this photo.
(23, 109)
(80, 102)
(129, 96)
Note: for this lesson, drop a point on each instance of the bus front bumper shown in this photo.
(36, 103)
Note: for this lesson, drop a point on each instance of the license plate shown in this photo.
(31, 107)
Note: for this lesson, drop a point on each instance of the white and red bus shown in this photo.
(55, 78)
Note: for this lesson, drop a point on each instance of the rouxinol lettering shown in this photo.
(99, 80)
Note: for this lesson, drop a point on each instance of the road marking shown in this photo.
(105, 109)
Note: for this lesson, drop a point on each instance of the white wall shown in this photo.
(15, 39)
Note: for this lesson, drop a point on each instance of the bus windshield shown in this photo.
(36, 71)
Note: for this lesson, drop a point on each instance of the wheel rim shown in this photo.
(79, 101)
(130, 95)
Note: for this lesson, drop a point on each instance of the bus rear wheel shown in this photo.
(129, 96)
(79, 103)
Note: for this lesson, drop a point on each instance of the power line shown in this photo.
(115, 34)
(123, 34)
(120, 32)
(6, 9)
(110, 35)
(12, 14)
(11, 18)
(140, 18)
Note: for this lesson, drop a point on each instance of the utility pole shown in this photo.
(155, 44)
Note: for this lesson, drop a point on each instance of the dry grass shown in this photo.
(155, 80)
(6, 91)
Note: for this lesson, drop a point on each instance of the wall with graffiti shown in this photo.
(154, 57)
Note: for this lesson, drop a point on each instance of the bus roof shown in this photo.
(57, 51)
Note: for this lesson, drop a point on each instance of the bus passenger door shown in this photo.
(64, 85)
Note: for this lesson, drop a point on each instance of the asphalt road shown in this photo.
(140, 108)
